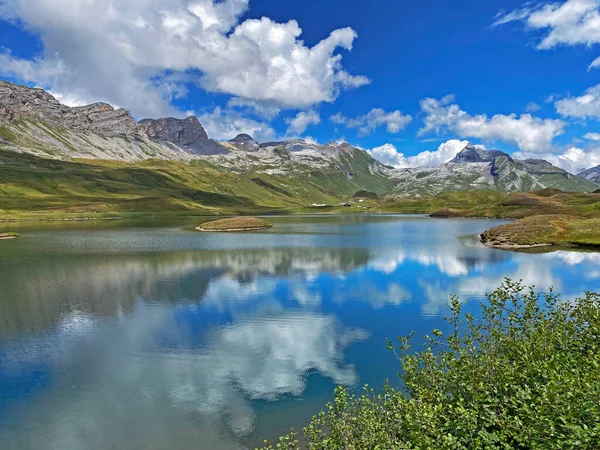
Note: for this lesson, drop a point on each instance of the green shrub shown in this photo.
(525, 375)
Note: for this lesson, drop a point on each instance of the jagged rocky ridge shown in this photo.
(33, 121)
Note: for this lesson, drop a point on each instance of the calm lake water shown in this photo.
(143, 335)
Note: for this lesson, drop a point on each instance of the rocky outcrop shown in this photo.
(103, 119)
(20, 102)
(177, 131)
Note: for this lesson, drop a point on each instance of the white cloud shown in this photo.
(592, 136)
(299, 124)
(47, 70)
(575, 159)
(595, 64)
(389, 154)
(226, 124)
(532, 107)
(71, 100)
(584, 106)
(527, 132)
(572, 159)
(574, 22)
(394, 121)
(120, 51)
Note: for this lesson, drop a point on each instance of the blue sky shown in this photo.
(396, 78)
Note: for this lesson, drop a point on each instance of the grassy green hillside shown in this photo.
(33, 187)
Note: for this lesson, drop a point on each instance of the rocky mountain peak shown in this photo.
(102, 118)
(177, 131)
(472, 154)
(245, 142)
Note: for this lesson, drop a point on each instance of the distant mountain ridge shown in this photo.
(33, 121)
(475, 168)
(592, 174)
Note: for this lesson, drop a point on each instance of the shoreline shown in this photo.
(221, 215)
(513, 246)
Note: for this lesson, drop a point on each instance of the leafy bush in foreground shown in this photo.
(526, 375)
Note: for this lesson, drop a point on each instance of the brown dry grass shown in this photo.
(235, 224)
(545, 230)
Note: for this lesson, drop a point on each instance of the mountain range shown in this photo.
(36, 125)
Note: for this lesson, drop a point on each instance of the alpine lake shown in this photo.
(143, 334)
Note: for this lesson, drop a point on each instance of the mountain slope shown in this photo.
(32, 187)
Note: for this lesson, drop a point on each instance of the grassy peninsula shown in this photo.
(526, 375)
(235, 224)
(545, 231)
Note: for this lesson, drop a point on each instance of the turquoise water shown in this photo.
(143, 335)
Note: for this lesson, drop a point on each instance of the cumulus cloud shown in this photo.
(225, 124)
(389, 154)
(574, 22)
(532, 107)
(120, 52)
(595, 64)
(298, 124)
(573, 159)
(45, 69)
(592, 136)
(584, 106)
(394, 121)
(527, 132)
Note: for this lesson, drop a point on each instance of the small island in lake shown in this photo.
(235, 224)
(9, 235)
